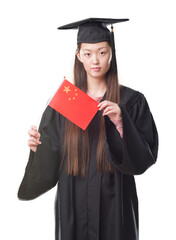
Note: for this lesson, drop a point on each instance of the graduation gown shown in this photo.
(97, 207)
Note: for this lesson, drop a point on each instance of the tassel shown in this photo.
(114, 64)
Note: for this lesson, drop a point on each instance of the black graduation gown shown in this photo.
(98, 207)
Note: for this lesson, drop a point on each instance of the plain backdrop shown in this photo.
(34, 58)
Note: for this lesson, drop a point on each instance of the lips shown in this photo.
(96, 69)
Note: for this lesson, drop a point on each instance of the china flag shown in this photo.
(74, 104)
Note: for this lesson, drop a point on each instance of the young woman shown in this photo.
(95, 168)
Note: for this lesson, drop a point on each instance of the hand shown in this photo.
(33, 141)
(111, 109)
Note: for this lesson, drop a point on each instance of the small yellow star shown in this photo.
(67, 89)
(73, 98)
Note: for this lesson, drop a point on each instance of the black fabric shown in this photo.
(96, 207)
(101, 21)
(42, 171)
(92, 30)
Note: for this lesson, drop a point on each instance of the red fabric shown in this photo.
(74, 104)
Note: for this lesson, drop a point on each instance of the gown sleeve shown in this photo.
(137, 151)
(42, 170)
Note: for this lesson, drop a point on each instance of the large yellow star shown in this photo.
(67, 89)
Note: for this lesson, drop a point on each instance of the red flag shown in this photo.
(74, 104)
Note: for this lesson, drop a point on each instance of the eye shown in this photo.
(102, 53)
(87, 54)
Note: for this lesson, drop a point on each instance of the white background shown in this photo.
(34, 58)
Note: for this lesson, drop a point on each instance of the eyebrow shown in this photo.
(97, 49)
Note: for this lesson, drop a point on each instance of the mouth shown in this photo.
(96, 69)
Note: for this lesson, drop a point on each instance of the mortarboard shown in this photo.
(94, 30)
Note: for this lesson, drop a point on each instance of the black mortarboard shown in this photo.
(93, 30)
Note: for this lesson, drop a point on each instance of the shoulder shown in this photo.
(129, 96)
(50, 116)
(134, 103)
(50, 112)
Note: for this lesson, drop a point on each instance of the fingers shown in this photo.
(104, 104)
(110, 109)
(33, 127)
(33, 141)
(108, 106)
(33, 132)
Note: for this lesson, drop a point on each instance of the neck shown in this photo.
(96, 86)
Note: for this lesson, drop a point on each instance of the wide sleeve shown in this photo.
(137, 151)
(42, 170)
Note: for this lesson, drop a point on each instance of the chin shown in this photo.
(97, 75)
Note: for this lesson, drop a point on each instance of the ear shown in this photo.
(78, 56)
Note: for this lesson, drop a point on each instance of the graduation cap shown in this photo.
(94, 30)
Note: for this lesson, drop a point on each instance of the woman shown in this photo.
(95, 168)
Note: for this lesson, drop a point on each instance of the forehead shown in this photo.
(94, 46)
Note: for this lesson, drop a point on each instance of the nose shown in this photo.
(95, 60)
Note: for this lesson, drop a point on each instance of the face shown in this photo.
(96, 58)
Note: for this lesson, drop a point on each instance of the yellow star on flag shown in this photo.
(67, 89)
